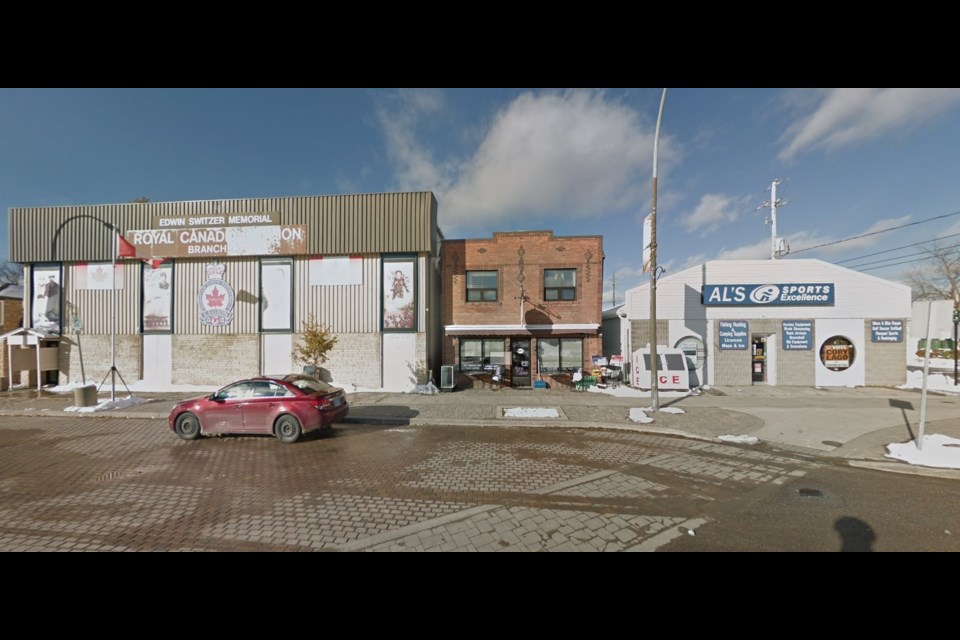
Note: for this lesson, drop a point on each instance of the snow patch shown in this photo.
(938, 451)
(530, 412)
(107, 405)
(638, 415)
(740, 439)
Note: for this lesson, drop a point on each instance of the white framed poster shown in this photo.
(158, 298)
(47, 287)
(399, 294)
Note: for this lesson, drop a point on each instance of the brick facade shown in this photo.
(520, 259)
(95, 351)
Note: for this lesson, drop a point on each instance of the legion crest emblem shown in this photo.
(216, 298)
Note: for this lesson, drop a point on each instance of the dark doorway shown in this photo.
(520, 352)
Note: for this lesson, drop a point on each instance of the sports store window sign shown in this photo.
(216, 298)
(733, 334)
(773, 295)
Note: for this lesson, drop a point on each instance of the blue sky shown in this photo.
(852, 161)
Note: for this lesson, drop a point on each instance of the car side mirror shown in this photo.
(216, 397)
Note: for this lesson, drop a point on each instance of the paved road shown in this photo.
(76, 483)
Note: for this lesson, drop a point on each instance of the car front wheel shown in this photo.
(288, 429)
(187, 426)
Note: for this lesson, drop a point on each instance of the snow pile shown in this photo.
(938, 451)
(107, 405)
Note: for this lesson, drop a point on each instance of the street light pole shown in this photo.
(956, 320)
(654, 368)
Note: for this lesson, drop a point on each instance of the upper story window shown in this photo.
(560, 284)
(482, 286)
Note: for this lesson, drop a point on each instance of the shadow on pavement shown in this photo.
(392, 414)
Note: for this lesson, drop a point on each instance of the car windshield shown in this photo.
(308, 384)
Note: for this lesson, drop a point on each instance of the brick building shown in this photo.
(521, 306)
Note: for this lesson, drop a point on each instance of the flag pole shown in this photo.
(113, 319)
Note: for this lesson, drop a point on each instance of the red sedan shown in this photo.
(285, 406)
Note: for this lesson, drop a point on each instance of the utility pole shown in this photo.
(654, 364)
(775, 250)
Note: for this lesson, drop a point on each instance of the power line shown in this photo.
(876, 253)
(908, 255)
(873, 233)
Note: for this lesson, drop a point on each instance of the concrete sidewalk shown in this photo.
(852, 425)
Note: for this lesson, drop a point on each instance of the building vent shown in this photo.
(446, 377)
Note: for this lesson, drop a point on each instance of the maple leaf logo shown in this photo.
(215, 299)
(99, 275)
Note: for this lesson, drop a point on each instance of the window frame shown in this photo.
(292, 275)
(483, 290)
(169, 267)
(559, 291)
(485, 354)
(561, 366)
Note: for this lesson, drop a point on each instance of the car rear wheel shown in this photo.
(288, 429)
(187, 426)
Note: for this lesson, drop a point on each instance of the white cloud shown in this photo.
(399, 114)
(571, 154)
(713, 210)
(847, 116)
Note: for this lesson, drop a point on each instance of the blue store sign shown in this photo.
(805, 294)
(886, 331)
(797, 335)
(734, 334)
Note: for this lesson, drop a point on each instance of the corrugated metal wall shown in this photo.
(94, 306)
(344, 308)
(243, 275)
(337, 225)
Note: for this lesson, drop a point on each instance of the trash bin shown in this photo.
(85, 396)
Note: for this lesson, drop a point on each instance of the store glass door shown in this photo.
(759, 359)
(520, 352)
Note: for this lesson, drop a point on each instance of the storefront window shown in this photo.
(560, 354)
(276, 289)
(481, 354)
(837, 353)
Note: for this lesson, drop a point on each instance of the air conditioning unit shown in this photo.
(446, 378)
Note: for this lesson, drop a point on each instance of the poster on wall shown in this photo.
(157, 297)
(399, 295)
(46, 299)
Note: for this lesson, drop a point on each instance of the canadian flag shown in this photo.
(124, 248)
(96, 275)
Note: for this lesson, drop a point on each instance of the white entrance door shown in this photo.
(399, 361)
(158, 359)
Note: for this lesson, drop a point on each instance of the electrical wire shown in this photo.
(873, 233)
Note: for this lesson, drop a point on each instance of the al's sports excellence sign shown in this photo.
(806, 294)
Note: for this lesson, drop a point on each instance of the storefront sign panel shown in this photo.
(734, 334)
(264, 240)
(770, 295)
(797, 335)
(228, 220)
(886, 330)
